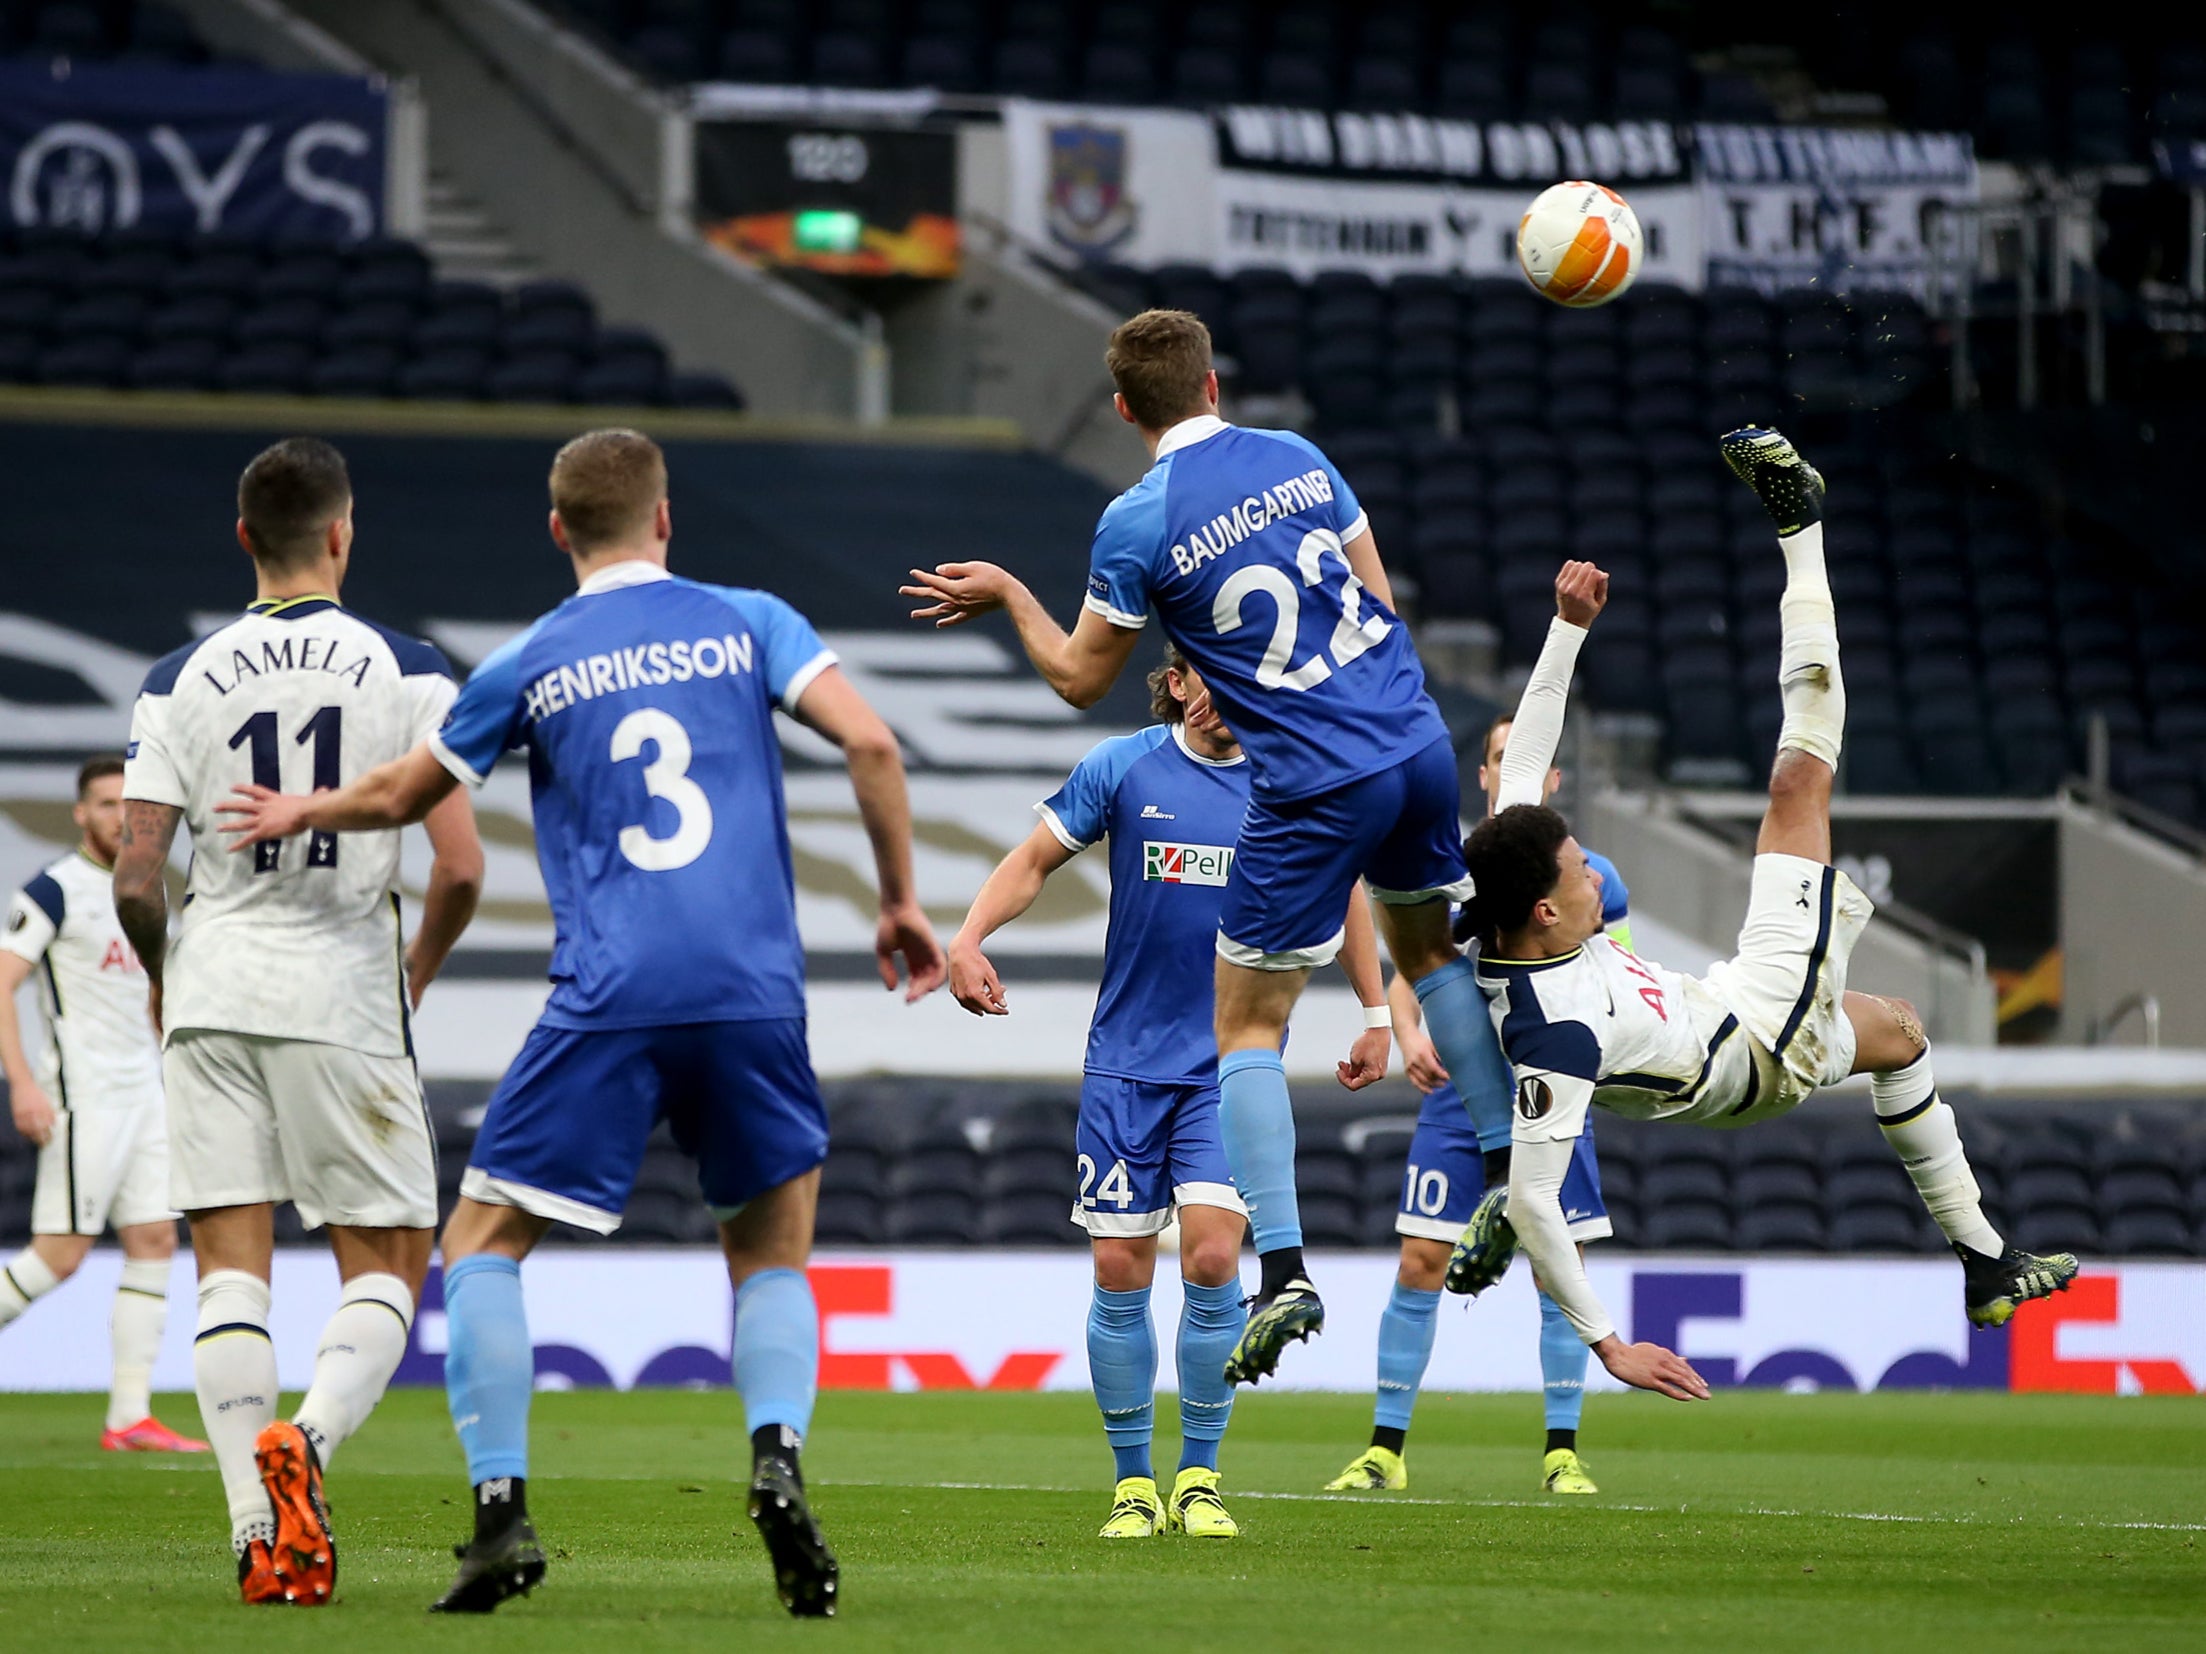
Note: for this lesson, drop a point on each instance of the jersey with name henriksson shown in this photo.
(1173, 818)
(300, 939)
(100, 1047)
(1235, 537)
(646, 706)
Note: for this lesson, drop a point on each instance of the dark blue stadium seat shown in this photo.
(315, 276)
(1030, 68)
(219, 272)
(533, 376)
(274, 365)
(703, 390)
(1116, 72)
(113, 315)
(466, 327)
(849, 59)
(446, 373)
(1473, 89)
(143, 272)
(552, 328)
(285, 321)
(97, 360)
(1382, 83)
(362, 370)
(180, 363)
(379, 322)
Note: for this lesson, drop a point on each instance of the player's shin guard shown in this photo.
(489, 1365)
(1122, 1368)
(234, 1371)
(134, 1333)
(1922, 1130)
(1462, 1029)
(1563, 1356)
(1211, 1318)
(361, 1347)
(1808, 676)
(1406, 1328)
(1256, 1118)
(777, 1350)
(24, 1279)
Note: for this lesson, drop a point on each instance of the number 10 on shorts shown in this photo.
(1116, 1187)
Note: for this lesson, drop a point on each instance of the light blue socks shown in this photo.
(1122, 1367)
(1405, 1350)
(1463, 1031)
(1211, 1318)
(1257, 1120)
(489, 1365)
(1563, 1357)
(777, 1350)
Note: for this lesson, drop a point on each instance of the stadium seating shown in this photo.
(961, 1163)
(129, 31)
(140, 311)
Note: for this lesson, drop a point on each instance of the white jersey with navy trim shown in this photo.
(299, 939)
(100, 1049)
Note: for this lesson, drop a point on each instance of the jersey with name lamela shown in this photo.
(100, 1048)
(299, 939)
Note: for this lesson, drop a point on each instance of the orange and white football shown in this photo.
(1579, 244)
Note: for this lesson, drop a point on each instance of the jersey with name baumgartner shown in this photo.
(646, 705)
(1172, 817)
(100, 1047)
(1235, 538)
(299, 939)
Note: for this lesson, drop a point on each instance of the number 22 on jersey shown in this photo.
(1354, 634)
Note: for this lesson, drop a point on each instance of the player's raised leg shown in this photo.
(1892, 1050)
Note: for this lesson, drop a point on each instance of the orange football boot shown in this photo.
(256, 1574)
(305, 1561)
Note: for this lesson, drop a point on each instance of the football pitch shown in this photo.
(967, 1521)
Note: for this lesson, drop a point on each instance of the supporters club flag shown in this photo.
(191, 151)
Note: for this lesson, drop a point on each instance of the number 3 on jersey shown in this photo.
(666, 777)
(1351, 637)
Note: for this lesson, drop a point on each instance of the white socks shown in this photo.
(134, 1331)
(1808, 677)
(24, 1279)
(360, 1349)
(1920, 1127)
(235, 1368)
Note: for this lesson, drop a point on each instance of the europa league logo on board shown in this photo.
(1534, 1099)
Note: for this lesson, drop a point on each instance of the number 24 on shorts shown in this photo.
(1116, 1187)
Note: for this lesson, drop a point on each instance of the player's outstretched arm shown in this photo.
(1536, 1169)
(396, 794)
(1007, 892)
(455, 886)
(832, 707)
(141, 889)
(1581, 592)
(27, 1100)
(1080, 665)
(1359, 962)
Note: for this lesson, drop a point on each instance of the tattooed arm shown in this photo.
(141, 895)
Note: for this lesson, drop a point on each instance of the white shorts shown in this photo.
(102, 1166)
(1787, 983)
(342, 1135)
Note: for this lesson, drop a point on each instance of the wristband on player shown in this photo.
(1378, 1016)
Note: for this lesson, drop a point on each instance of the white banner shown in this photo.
(908, 1321)
(1844, 211)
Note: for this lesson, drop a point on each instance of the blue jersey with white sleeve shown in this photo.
(645, 704)
(1172, 818)
(1234, 538)
(1616, 901)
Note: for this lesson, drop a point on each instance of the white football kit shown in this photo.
(289, 1056)
(1599, 1027)
(107, 1160)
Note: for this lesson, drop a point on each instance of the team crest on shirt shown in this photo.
(1186, 863)
(1534, 1098)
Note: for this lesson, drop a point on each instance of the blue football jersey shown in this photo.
(1616, 901)
(1172, 819)
(1235, 539)
(646, 705)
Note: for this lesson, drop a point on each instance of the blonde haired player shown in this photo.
(287, 998)
(92, 1105)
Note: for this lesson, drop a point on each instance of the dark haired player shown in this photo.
(1256, 556)
(1584, 1021)
(92, 1105)
(287, 997)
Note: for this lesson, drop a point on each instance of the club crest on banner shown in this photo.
(1089, 210)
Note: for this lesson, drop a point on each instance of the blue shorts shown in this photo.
(1144, 1149)
(1446, 1178)
(565, 1130)
(1297, 860)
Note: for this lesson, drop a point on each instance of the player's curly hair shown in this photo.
(1164, 706)
(1513, 860)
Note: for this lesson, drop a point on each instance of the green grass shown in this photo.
(1753, 1522)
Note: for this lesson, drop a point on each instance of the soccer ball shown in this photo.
(1579, 244)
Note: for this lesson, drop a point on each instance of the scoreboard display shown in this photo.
(842, 200)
